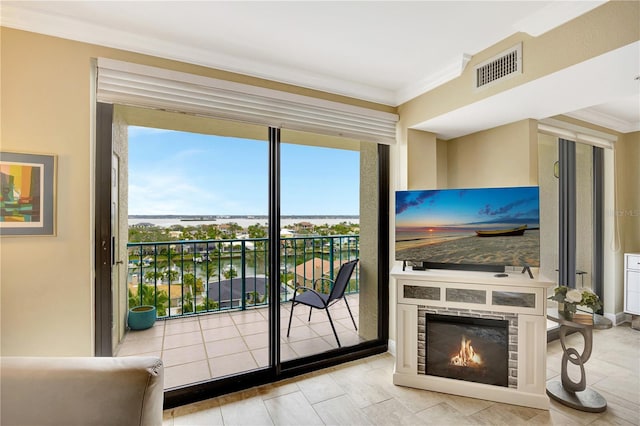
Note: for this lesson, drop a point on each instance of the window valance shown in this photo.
(145, 86)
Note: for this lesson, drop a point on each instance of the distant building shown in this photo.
(304, 227)
(225, 227)
(142, 225)
(175, 234)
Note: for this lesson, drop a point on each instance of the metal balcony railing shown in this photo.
(193, 277)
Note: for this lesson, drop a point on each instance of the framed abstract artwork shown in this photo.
(27, 194)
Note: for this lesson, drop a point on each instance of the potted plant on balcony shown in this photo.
(142, 317)
(143, 311)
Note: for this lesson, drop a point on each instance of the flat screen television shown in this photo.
(475, 229)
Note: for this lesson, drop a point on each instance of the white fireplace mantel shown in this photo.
(475, 294)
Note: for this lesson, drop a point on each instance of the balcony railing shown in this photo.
(193, 277)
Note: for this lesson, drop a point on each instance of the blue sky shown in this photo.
(187, 173)
(460, 207)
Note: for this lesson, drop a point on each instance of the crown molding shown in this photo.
(554, 15)
(26, 19)
(453, 70)
(591, 115)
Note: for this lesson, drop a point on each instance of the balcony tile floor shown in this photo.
(207, 346)
(362, 392)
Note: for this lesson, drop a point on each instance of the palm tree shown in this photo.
(147, 296)
(257, 231)
(199, 286)
(172, 275)
(231, 273)
(187, 266)
(211, 269)
(194, 285)
(207, 305)
(187, 303)
(152, 276)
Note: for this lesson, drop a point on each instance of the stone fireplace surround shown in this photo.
(517, 298)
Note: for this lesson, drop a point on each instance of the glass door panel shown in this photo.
(197, 249)
(548, 180)
(584, 215)
(323, 183)
(548, 175)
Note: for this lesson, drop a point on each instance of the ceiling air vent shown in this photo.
(500, 67)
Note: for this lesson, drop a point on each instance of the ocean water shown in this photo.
(244, 222)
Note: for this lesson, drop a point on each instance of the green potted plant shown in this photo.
(143, 311)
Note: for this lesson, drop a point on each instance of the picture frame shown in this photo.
(27, 194)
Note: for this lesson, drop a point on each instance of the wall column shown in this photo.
(369, 238)
(422, 160)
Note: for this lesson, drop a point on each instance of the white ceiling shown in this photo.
(382, 51)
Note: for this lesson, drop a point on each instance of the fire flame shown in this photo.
(466, 357)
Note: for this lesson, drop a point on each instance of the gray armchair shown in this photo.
(81, 391)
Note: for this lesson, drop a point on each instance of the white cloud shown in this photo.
(158, 192)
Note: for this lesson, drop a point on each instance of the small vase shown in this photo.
(563, 308)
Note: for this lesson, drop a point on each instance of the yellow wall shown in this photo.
(627, 158)
(495, 157)
(422, 151)
(47, 282)
(47, 107)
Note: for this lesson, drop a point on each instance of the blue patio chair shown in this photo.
(314, 299)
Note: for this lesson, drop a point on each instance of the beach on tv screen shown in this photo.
(479, 226)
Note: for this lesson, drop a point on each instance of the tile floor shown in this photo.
(214, 345)
(362, 393)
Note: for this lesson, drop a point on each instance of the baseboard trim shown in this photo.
(617, 318)
(391, 347)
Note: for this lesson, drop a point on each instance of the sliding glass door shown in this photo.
(570, 178)
(225, 220)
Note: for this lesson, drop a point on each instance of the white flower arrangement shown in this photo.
(572, 297)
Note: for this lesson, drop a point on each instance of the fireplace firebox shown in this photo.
(467, 348)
